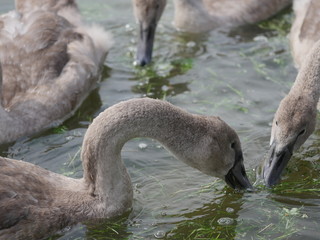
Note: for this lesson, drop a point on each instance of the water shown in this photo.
(239, 74)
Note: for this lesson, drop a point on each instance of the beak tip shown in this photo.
(269, 182)
(248, 187)
(270, 176)
(141, 61)
(237, 185)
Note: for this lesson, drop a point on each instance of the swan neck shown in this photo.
(308, 79)
(104, 170)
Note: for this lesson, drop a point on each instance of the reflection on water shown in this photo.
(238, 74)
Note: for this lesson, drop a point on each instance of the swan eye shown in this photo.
(277, 123)
(302, 132)
(233, 145)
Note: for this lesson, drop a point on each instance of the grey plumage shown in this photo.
(204, 15)
(295, 118)
(50, 60)
(199, 16)
(35, 202)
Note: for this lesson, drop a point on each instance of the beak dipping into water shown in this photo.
(275, 163)
(237, 177)
(145, 44)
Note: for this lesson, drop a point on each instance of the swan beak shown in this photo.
(276, 161)
(237, 177)
(145, 43)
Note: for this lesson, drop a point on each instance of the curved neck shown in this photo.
(308, 79)
(104, 171)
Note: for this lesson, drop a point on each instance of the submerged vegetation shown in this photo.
(153, 79)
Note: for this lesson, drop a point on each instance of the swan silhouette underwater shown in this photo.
(295, 118)
(198, 16)
(36, 202)
(50, 60)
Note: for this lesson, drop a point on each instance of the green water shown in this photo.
(238, 74)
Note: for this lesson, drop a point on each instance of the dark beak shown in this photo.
(275, 163)
(237, 177)
(145, 44)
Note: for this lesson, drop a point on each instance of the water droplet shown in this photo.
(191, 44)
(135, 63)
(165, 88)
(160, 234)
(143, 145)
(229, 210)
(225, 221)
(260, 38)
(128, 27)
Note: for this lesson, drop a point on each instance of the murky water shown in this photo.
(239, 74)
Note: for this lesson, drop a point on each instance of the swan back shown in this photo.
(49, 65)
(35, 202)
(23, 6)
(204, 15)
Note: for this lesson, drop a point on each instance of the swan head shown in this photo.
(219, 154)
(293, 123)
(148, 13)
(232, 166)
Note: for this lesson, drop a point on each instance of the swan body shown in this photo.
(35, 202)
(198, 16)
(49, 62)
(204, 15)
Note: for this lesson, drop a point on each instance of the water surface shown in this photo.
(238, 74)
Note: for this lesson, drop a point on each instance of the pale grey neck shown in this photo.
(104, 171)
(308, 79)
